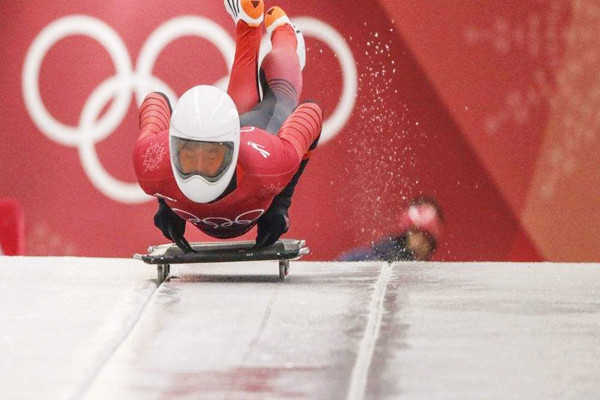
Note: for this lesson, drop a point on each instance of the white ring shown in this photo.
(194, 220)
(120, 86)
(174, 29)
(90, 131)
(100, 178)
(322, 31)
(57, 30)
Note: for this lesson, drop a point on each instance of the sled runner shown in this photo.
(214, 252)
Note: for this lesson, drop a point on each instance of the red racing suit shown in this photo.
(266, 165)
(276, 138)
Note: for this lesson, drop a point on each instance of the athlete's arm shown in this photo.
(301, 131)
(155, 114)
(151, 151)
(172, 226)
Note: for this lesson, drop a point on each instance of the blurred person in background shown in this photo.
(12, 228)
(415, 239)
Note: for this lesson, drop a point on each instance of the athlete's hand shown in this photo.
(274, 223)
(171, 225)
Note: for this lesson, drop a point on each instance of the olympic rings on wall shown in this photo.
(128, 81)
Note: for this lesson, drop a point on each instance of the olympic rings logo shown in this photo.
(221, 222)
(127, 81)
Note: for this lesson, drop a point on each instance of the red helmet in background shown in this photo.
(423, 215)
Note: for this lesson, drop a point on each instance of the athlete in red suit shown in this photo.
(276, 136)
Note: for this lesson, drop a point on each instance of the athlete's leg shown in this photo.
(261, 114)
(243, 82)
(281, 75)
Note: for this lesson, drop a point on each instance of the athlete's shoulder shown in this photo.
(258, 149)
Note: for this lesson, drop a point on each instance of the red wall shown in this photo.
(411, 129)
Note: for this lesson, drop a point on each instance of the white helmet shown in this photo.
(204, 138)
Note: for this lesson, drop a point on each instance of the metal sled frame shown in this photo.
(213, 252)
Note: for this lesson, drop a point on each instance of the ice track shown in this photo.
(85, 328)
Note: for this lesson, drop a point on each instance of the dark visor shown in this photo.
(207, 159)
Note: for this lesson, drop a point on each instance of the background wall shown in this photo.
(487, 105)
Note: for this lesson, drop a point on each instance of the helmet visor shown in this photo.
(207, 159)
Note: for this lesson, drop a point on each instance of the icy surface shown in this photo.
(234, 331)
(60, 318)
(100, 329)
(494, 331)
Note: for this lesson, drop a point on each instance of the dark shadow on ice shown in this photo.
(227, 278)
